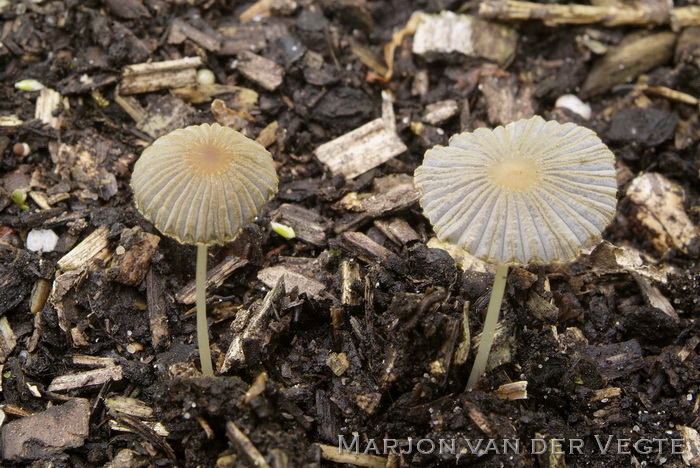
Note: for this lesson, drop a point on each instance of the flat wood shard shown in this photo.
(147, 77)
(261, 70)
(254, 328)
(48, 106)
(215, 278)
(84, 379)
(87, 250)
(445, 34)
(364, 148)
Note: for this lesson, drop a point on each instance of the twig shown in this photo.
(556, 14)
(244, 445)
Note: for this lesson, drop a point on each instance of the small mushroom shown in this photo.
(530, 192)
(201, 185)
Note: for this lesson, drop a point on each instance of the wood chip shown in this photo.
(507, 99)
(659, 209)
(542, 308)
(148, 77)
(215, 278)
(181, 30)
(157, 310)
(10, 120)
(244, 446)
(607, 258)
(93, 361)
(137, 247)
(445, 34)
(617, 359)
(62, 296)
(131, 406)
(128, 9)
(512, 391)
(85, 379)
(691, 445)
(8, 340)
(464, 346)
(365, 247)
(439, 112)
(396, 198)
(481, 420)
(464, 259)
(127, 458)
(269, 135)
(47, 433)
(653, 296)
(166, 114)
(364, 148)
(605, 394)
(131, 106)
(254, 330)
(237, 38)
(48, 108)
(266, 8)
(292, 279)
(641, 14)
(351, 282)
(261, 70)
(336, 455)
(90, 249)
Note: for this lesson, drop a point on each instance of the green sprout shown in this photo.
(283, 230)
(19, 197)
(530, 192)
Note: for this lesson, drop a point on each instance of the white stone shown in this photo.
(575, 105)
(41, 240)
(205, 77)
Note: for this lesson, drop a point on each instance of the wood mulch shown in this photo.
(362, 325)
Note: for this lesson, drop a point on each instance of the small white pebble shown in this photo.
(205, 77)
(41, 240)
(575, 105)
(120, 250)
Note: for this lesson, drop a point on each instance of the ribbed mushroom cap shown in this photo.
(530, 192)
(201, 184)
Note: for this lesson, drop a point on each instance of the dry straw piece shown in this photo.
(530, 192)
(201, 184)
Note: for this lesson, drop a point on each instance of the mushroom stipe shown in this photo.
(200, 185)
(530, 192)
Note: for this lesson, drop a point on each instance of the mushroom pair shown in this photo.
(200, 185)
(530, 192)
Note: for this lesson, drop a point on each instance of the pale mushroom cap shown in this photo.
(530, 192)
(203, 183)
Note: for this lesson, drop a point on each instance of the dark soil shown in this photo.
(607, 348)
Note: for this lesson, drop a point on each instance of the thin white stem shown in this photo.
(201, 295)
(482, 354)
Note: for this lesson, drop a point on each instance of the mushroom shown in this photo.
(200, 185)
(531, 192)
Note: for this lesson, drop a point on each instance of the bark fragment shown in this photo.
(44, 434)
